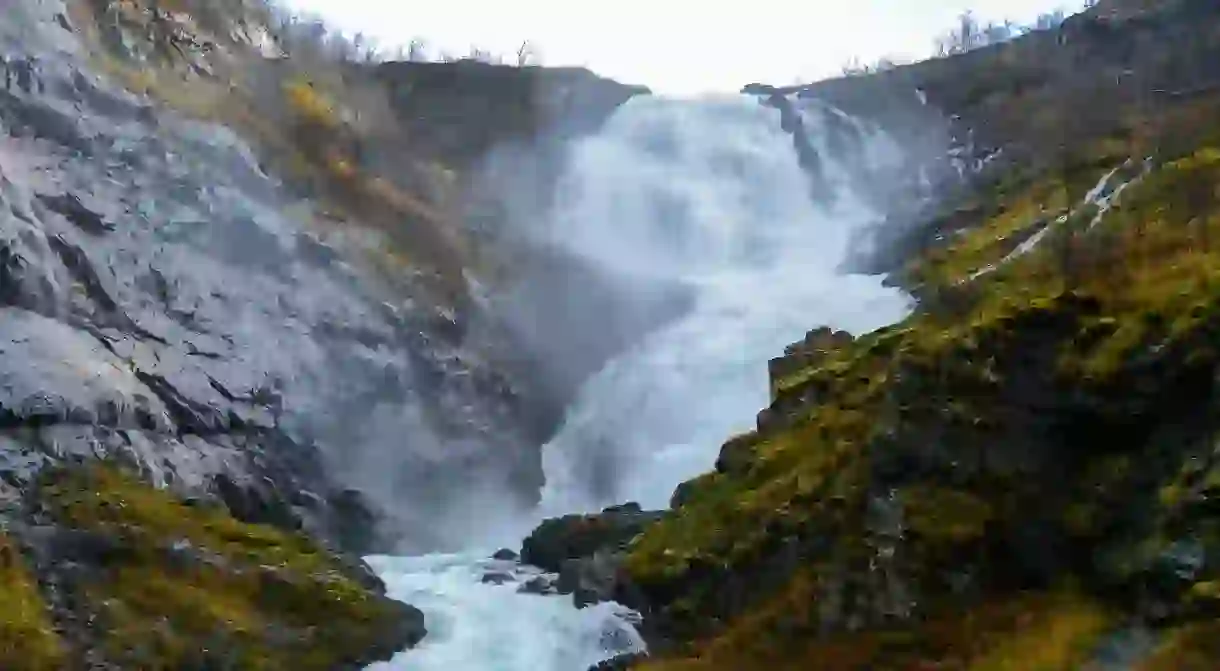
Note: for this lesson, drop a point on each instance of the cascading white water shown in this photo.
(707, 193)
(478, 626)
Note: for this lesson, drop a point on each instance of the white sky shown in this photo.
(676, 46)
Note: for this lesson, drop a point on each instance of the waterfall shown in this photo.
(708, 194)
(712, 195)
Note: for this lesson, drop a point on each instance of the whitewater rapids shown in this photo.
(707, 193)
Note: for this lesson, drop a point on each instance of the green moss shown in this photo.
(1028, 632)
(27, 638)
(946, 515)
(187, 586)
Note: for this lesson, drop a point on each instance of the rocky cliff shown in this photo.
(233, 336)
(1121, 75)
(1022, 474)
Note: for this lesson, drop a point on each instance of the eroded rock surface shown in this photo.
(161, 303)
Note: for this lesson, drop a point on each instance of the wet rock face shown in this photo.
(466, 107)
(157, 306)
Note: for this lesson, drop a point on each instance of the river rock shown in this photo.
(587, 550)
(620, 662)
(505, 554)
(542, 585)
(591, 579)
(580, 536)
(497, 578)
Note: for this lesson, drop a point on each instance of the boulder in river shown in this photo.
(587, 550)
(580, 536)
(505, 554)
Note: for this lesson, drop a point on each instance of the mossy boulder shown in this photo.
(118, 574)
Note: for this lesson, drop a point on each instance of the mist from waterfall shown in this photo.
(706, 195)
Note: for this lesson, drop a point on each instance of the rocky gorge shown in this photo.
(1019, 474)
(262, 313)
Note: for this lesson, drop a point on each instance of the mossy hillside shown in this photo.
(28, 639)
(1169, 124)
(181, 586)
(1022, 632)
(1024, 439)
(1014, 211)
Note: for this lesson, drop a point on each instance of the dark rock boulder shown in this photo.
(505, 554)
(580, 536)
(736, 454)
(586, 551)
(808, 351)
(543, 585)
(592, 579)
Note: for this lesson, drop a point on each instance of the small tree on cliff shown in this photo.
(526, 54)
(962, 38)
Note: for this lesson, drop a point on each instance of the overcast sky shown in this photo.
(676, 46)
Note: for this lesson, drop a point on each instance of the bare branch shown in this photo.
(526, 54)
